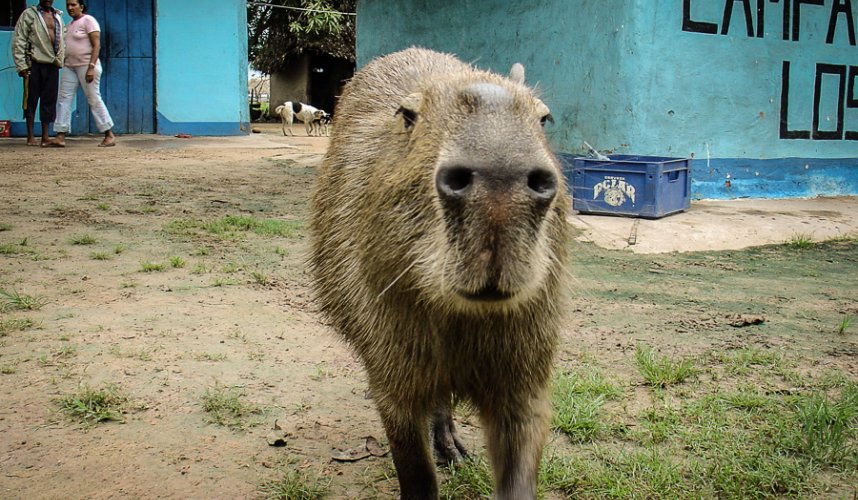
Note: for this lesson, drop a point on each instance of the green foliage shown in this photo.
(14, 300)
(152, 267)
(578, 399)
(801, 242)
(472, 478)
(83, 239)
(844, 324)
(10, 325)
(295, 484)
(225, 407)
(659, 371)
(275, 35)
(91, 406)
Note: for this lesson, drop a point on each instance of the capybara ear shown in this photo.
(516, 73)
(409, 109)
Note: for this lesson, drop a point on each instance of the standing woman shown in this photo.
(83, 43)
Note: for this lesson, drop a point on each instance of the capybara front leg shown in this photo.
(414, 467)
(515, 438)
(448, 448)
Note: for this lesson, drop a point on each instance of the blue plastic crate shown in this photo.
(635, 186)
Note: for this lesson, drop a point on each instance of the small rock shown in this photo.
(276, 439)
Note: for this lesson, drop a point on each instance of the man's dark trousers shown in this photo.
(44, 85)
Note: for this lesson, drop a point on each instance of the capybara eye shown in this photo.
(546, 118)
(409, 116)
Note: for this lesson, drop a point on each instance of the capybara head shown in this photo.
(498, 194)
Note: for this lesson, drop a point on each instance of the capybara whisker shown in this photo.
(397, 279)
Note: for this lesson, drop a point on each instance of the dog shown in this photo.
(321, 124)
(307, 114)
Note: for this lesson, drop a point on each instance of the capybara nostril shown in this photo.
(453, 182)
(542, 183)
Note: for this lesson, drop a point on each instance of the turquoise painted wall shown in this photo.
(201, 69)
(10, 82)
(668, 78)
(11, 85)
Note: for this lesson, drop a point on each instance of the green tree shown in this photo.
(276, 34)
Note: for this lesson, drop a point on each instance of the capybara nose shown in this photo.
(456, 183)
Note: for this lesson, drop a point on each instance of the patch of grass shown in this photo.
(199, 268)
(13, 249)
(142, 354)
(801, 241)
(10, 325)
(616, 474)
(660, 371)
(472, 478)
(103, 206)
(281, 251)
(578, 398)
(202, 251)
(118, 249)
(827, 428)
(658, 425)
(261, 278)
(152, 267)
(740, 361)
(232, 226)
(83, 239)
(218, 282)
(224, 406)
(265, 227)
(295, 484)
(14, 300)
(7, 369)
(90, 406)
(65, 352)
(844, 324)
(99, 256)
(177, 262)
(5, 227)
(205, 356)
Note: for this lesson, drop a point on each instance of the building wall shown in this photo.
(291, 84)
(737, 84)
(11, 86)
(200, 67)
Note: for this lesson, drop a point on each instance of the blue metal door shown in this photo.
(127, 57)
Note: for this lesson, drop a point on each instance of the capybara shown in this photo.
(438, 247)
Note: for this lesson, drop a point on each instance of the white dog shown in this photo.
(307, 114)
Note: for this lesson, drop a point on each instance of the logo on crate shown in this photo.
(615, 190)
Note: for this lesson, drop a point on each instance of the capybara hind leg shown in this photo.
(414, 468)
(448, 448)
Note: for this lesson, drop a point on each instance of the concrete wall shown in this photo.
(761, 93)
(11, 86)
(291, 84)
(201, 67)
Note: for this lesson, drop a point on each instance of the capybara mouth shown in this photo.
(487, 294)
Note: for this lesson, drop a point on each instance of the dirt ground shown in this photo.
(234, 311)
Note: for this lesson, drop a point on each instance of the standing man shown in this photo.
(38, 48)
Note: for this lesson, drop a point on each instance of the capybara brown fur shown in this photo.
(438, 249)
